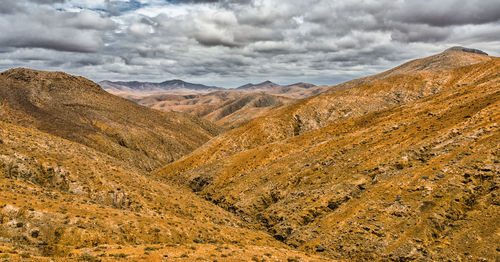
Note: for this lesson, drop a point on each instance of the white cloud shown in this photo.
(230, 42)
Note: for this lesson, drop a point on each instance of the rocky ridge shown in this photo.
(402, 165)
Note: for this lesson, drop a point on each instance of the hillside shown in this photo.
(400, 166)
(79, 110)
(229, 108)
(62, 201)
(296, 91)
(409, 82)
(225, 108)
(148, 88)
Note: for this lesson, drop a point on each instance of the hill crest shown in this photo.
(79, 110)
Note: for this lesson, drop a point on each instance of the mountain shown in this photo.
(61, 200)
(402, 165)
(148, 88)
(301, 85)
(296, 91)
(266, 85)
(79, 110)
(74, 180)
(225, 108)
(468, 50)
(398, 166)
(230, 108)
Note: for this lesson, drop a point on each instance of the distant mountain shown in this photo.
(225, 108)
(228, 107)
(266, 85)
(301, 85)
(297, 90)
(175, 86)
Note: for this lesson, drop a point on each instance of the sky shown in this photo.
(229, 43)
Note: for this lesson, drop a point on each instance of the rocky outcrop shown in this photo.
(467, 50)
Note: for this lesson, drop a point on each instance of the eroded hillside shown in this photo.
(77, 109)
(403, 165)
(409, 82)
(228, 109)
(65, 201)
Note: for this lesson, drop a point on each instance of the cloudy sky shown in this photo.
(230, 43)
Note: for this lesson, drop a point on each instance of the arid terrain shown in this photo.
(227, 108)
(402, 165)
(398, 166)
(79, 110)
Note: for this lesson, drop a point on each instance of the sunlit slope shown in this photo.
(408, 82)
(61, 199)
(402, 165)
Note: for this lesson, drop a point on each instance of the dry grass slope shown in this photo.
(227, 109)
(400, 166)
(62, 200)
(77, 109)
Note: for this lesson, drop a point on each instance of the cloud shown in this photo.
(9, 7)
(47, 2)
(46, 28)
(229, 42)
(448, 12)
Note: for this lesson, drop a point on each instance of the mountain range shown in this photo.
(147, 88)
(397, 166)
(227, 108)
(401, 166)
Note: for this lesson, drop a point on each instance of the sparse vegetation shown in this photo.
(398, 166)
(88, 258)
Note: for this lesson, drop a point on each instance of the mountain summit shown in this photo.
(175, 86)
(465, 49)
(266, 85)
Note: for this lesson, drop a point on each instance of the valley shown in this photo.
(398, 166)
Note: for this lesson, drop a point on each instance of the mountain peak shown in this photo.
(174, 85)
(266, 85)
(25, 74)
(466, 49)
(173, 81)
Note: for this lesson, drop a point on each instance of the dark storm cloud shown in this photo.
(46, 28)
(420, 33)
(9, 7)
(208, 39)
(230, 42)
(449, 12)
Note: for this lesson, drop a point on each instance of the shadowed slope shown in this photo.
(230, 108)
(79, 110)
(225, 108)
